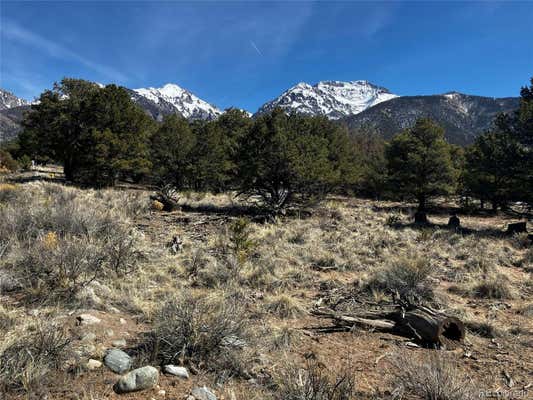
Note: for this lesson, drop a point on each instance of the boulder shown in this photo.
(180, 372)
(117, 361)
(203, 393)
(138, 379)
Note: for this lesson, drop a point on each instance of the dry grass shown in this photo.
(58, 240)
(434, 377)
(200, 331)
(232, 301)
(313, 382)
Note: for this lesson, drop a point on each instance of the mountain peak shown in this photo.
(172, 98)
(334, 99)
(9, 100)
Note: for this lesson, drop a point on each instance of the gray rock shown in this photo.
(88, 337)
(233, 341)
(203, 393)
(117, 361)
(88, 319)
(180, 372)
(7, 282)
(138, 379)
(119, 343)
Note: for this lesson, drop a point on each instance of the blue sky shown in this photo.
(245, 53)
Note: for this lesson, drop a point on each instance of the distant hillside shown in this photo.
(10, 119)
(463, 116)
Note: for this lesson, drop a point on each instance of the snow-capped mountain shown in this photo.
(333, 99)
(173, 99)
(9, 100)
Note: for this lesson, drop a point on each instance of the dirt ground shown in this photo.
(501, 365)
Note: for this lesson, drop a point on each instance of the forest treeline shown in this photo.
(101, 137)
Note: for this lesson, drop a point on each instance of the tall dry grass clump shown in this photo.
(313, 382)
(56, 240)
(406, 276)
(29, 358)
(434, 377)
(200, 331)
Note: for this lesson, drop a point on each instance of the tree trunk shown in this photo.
(429, 327)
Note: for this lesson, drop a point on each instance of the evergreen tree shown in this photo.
(216, 149)
(292, 160)
(98, 134)
(499, 165)
(172, 146)
(419, 164)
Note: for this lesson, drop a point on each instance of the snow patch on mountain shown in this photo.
(334, 99)
(172, 97)
(9, 100)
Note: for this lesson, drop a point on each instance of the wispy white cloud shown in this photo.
(15, 32)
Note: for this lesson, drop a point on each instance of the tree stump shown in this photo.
(454, 222)
(517, 227)
(430, 328)
(421, 217)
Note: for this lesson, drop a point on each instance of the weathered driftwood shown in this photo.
(421, 324)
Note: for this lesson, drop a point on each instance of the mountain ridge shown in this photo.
(333, 99)
(463, 116)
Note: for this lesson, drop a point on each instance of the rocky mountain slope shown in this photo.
(173, 99)
(11, 110)
(462, 116)
(9, 100)
(333, 99)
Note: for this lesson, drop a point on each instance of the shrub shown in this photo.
(56, 240)
(197, 330)
(59, 269)
(432, 378)
(7, 162)
(28, 360)
(406, 277)
(493, 287)
(239, 237)
(313, 383)
(284, 306)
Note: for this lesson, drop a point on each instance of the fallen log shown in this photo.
(430, 328)
(420, 324)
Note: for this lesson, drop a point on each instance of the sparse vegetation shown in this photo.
(432, 378)
(193, 330)
(313, 383)
(28, 359)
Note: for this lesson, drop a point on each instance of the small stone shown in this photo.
(117, 361)
(109, 332)
(88, 349)
(161, 393)
(122, 321)
(180, 372)
(88, 319)
(88, 337)
(93, 364)
(203, 393)
(119, 343)
(138, 379)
